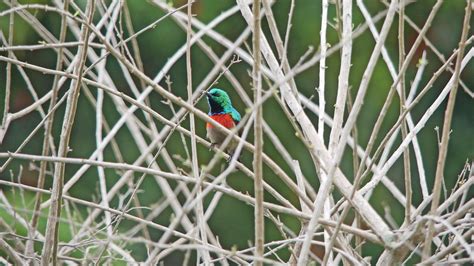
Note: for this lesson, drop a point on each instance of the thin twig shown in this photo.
(443, 149)
(48, 129)
(258, 139)
(6, 107)
(52, 228)
(402, 88)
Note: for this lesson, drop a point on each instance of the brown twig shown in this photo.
(443, 149)
(258, 139)
(47, 135)
(52, 229)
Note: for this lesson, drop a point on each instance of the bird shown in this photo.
(221, 111)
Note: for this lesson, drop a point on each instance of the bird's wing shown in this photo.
(235, 116)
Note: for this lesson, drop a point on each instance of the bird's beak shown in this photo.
(208, 94)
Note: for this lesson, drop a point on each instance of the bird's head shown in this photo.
(219, 101)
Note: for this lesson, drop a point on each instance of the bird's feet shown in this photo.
(231, 156)
(213, 145)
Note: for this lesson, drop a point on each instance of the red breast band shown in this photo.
(223, 119)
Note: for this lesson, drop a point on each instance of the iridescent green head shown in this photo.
(219, 103)
(218, 100)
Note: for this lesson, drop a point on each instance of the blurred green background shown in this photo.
(233, 220)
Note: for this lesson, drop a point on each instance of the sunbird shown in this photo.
(221, 111)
